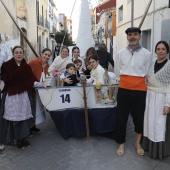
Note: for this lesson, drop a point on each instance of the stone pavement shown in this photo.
(49, 151)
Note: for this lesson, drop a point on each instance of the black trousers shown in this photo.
(129, 101)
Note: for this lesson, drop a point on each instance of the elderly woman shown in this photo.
(156, 119)
(16, 111)
(39, 68)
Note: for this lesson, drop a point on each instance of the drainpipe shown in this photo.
(153, 25)
(132, 13)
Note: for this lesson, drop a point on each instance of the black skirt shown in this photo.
(158, 149)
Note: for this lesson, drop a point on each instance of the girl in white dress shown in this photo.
(97, 72)
(156, 138)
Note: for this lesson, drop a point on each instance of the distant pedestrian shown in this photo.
(131, 66)
(104, 57)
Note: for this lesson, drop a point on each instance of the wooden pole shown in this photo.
(20, 29)
(83, 81)
(145, 13)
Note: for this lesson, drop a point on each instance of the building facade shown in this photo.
(104, 23)
(25, 19)
(42, 7)
(154, 28)
(54, 24)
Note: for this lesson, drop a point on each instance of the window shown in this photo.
(120, 14)
(146, 39)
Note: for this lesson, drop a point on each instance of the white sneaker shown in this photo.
(2, 147)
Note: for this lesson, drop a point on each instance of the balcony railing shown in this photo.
(40, 20)
(47, 24)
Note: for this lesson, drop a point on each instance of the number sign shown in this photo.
(65, 97)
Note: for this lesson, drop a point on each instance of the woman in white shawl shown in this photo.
(58, 67)
(60, 62)
(156, 120)
(97, 72)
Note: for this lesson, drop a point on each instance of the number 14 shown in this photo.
(65, 98)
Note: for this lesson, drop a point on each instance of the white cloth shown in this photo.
(132, 65)
(17, 107)
(97, 74)
(59, 64)
(2, 58)
(154, 120)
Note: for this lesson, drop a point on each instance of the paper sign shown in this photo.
(65, 97)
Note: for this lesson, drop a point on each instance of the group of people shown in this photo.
(143, 93)
(18, 102)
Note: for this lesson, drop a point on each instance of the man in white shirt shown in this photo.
(131, 66)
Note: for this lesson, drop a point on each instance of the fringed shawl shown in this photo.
(160, 81)
(17, 79)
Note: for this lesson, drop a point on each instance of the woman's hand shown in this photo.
(54, 72)
(68, 81)
(166, 110)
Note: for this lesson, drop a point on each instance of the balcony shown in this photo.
(40, 20)
(47, 24)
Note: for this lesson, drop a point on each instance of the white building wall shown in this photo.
(157, 13)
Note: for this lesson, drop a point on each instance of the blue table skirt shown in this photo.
(71, 122)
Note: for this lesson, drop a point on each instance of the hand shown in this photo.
(68, 81)
(44, 85)
(54, 72)
(166, 110)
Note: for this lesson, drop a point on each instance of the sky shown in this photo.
(66, 6)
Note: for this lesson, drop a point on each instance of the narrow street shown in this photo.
(49, 151)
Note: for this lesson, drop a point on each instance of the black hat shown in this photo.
(133, 29)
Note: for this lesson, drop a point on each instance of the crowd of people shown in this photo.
(143, 93)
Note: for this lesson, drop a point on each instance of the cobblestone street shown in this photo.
(49, 151)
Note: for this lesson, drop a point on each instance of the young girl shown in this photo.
(88, 70)
(97, 72)
(70, 74)
(76, 55)
(78, 64)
